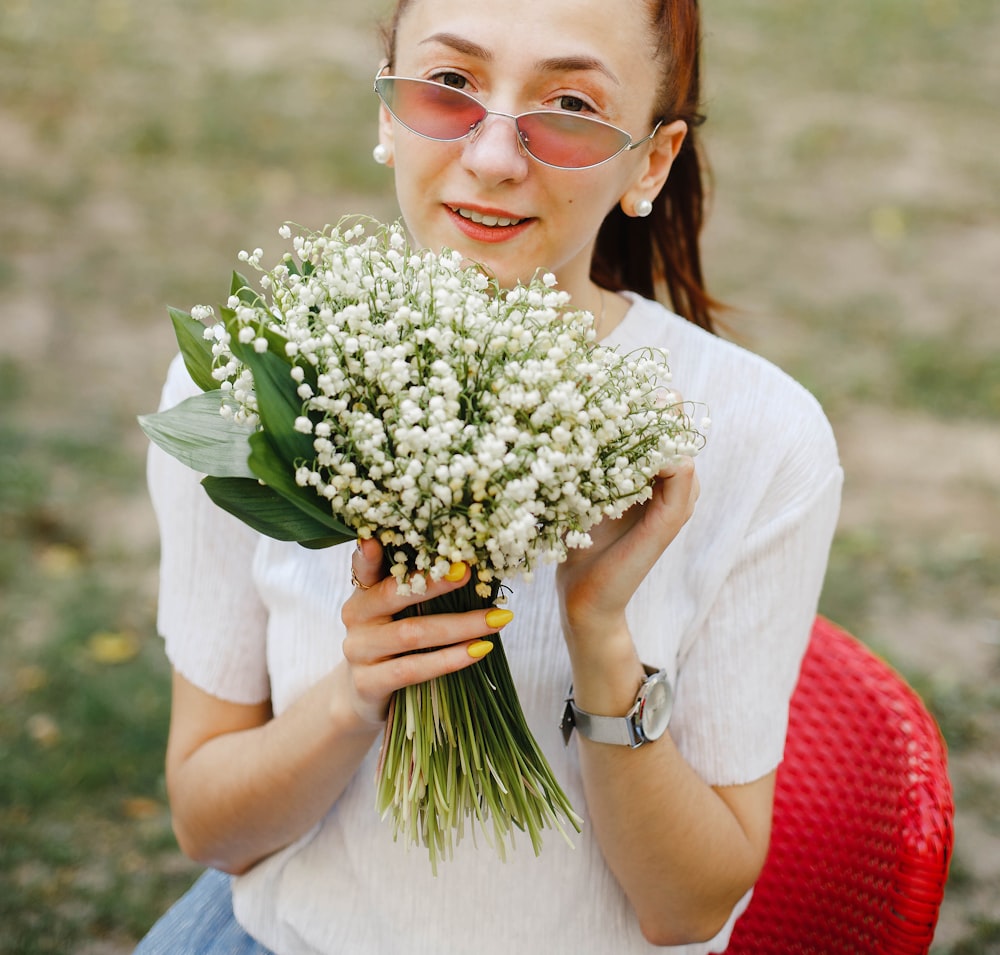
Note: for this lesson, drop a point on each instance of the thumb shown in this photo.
(366, 564)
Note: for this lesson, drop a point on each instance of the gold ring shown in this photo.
(357, 583)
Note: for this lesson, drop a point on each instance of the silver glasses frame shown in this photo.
(522, 140)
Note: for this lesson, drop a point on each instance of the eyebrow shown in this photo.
(554, 64)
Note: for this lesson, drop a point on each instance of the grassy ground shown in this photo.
(854, 148)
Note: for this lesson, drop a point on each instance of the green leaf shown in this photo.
(197, 351)
(197, 435)
(325, 542)
(278, 403)
(267, 462)
(292, 265)
(276, 343)
(268, 513)
(240, 287)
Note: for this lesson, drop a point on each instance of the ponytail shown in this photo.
(660, 255)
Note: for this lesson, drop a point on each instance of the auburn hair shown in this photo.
(658, 256)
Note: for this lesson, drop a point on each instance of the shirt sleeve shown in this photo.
(735, 682)
(209, 613)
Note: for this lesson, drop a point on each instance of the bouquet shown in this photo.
(366, 389)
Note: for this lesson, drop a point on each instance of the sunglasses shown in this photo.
(553, 137)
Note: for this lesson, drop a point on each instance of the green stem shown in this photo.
(459, 748)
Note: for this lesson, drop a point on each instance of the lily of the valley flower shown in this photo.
(419, 403)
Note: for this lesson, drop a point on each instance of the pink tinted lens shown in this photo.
(569, 140)
(443, 113)
(431, 109)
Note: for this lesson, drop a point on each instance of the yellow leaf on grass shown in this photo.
(59, 561)
(109, 647)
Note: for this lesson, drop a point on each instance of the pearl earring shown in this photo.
(381, 154)
(643, 208)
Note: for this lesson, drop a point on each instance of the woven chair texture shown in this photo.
(863, 815)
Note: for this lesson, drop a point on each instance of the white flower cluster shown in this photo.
(454, 420)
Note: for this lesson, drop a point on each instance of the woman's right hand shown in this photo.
(244, 783)
(385, 654)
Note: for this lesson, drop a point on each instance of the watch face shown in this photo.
(656, 707)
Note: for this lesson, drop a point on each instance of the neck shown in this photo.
(608, 309)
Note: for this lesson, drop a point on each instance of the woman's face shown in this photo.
(593, 56)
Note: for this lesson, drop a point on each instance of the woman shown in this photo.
(283, 669)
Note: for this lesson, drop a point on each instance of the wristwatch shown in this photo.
(646, 721)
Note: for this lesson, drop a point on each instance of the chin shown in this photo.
(504, 277)
(506, 281)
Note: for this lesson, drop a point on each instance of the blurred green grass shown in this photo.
(141, 146)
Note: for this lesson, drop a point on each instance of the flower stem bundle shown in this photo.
(459, 748)
(366, 389)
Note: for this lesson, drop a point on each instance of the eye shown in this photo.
(454, 80)
(573, 104)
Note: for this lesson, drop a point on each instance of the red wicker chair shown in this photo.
(863, 815)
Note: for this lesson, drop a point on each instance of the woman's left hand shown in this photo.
(597, 582)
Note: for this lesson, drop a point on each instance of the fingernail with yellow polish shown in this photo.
(455, 572)
(479, 649)
(498, 618)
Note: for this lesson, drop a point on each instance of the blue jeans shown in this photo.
(201, 923)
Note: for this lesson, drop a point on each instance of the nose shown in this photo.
(494, 152)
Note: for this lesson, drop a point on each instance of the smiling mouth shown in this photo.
(486, 220)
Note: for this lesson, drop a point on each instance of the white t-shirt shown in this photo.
(727, 611)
